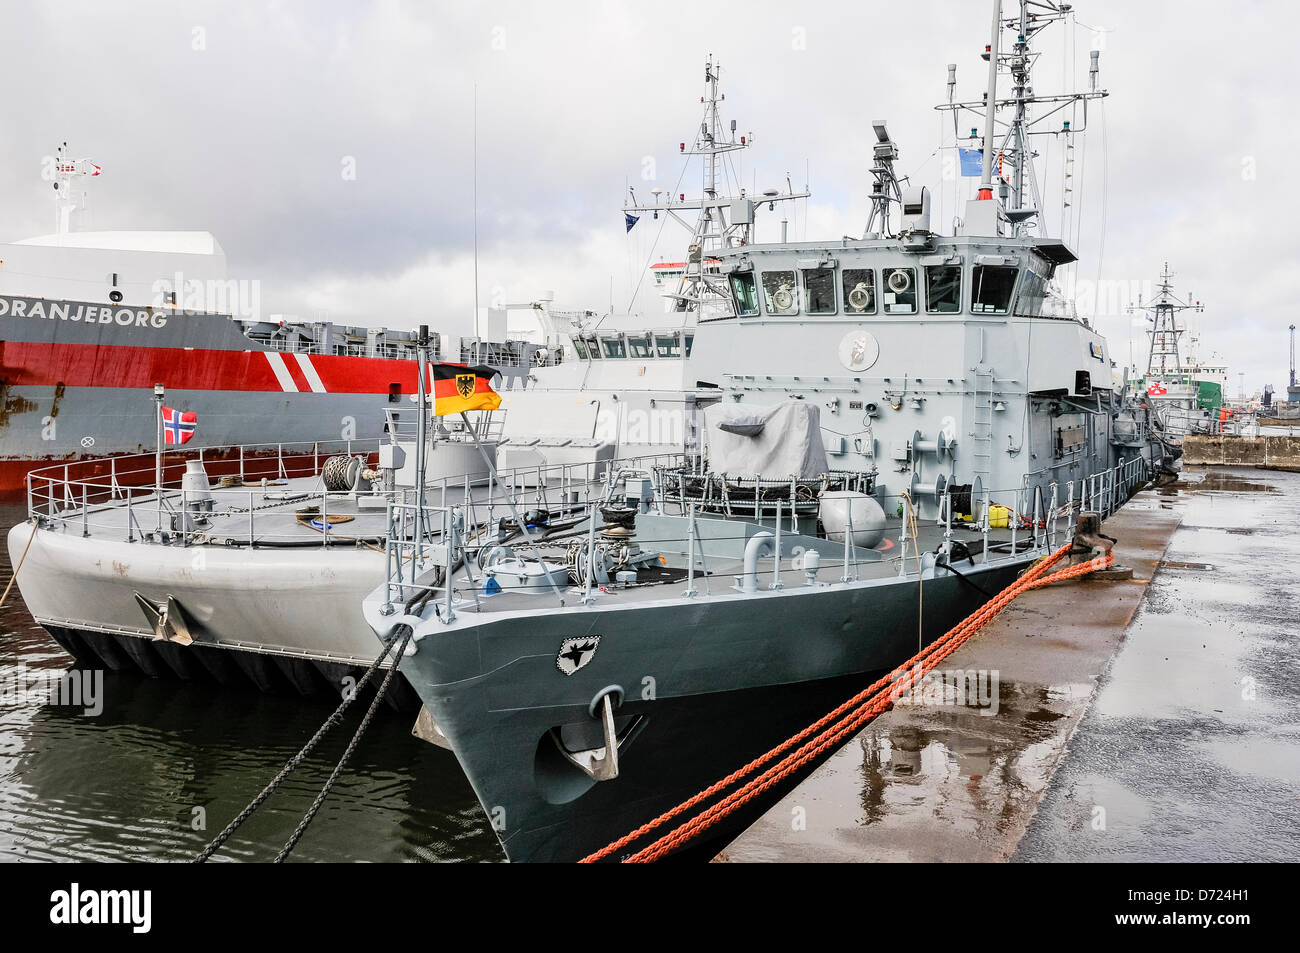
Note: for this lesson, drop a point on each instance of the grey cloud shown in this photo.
(246, 136)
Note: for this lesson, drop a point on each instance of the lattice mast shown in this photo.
(1164, 362)
(1012, 155)
(722, 221)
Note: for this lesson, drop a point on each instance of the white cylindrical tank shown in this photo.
(195, 483)
(868, 517)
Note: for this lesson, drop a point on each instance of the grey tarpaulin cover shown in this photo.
(789, 444)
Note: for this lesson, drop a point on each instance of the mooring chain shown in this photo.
(306, 749)
(347, 752)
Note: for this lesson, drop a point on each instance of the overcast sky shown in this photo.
(243, 119)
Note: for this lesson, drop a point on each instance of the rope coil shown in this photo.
(836, 726)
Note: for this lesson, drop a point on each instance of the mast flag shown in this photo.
(457, 388)
(178, 425)
(630, 220)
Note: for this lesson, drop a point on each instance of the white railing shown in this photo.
(119, 497)
(488, 426)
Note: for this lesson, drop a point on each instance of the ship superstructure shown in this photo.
(934, 358)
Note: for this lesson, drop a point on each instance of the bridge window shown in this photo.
(614, 347)
(580, 348)
(690, 342)
(745, 291)
(641, 347)
(899, 290)
(1032, 292)
(819, 290)
(859, 290)
(943, 289)
(667, 345)
(779, 293)
(991, 287)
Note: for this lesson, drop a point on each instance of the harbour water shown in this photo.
(127, 783)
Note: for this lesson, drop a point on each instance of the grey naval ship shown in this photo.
(881, 432)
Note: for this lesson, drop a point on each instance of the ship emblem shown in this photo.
(575, 653)
(859, 350)
(465, 384)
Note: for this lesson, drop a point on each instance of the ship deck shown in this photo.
(664, 574)
(286, 513)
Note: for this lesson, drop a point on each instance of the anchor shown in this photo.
(600, 764)
(167, 620)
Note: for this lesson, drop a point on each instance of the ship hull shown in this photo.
(706, 687)
(304, 632)
(77, 379)
(234, 669)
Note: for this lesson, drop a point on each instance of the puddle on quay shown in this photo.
(968, 768)
(1217, 480)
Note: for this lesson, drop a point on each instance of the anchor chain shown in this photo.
(306, 749)
(347, 753)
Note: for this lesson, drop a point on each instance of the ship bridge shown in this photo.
(882, 279)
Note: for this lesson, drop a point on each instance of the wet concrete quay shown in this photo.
(1151, 718)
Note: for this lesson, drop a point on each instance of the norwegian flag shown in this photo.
(178, 426)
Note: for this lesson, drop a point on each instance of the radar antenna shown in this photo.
(885, 186)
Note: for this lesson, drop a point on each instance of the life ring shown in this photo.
(899, 280)
(860, 297)
(783, 299)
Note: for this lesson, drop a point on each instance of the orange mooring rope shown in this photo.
(844, 721)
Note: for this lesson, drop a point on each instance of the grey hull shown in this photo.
(706, 686)
(97, 421)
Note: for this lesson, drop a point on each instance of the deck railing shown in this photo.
(427, 545)
(119, 497)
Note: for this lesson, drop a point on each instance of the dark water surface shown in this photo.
(124, 784)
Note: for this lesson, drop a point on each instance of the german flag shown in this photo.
(457, 388)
